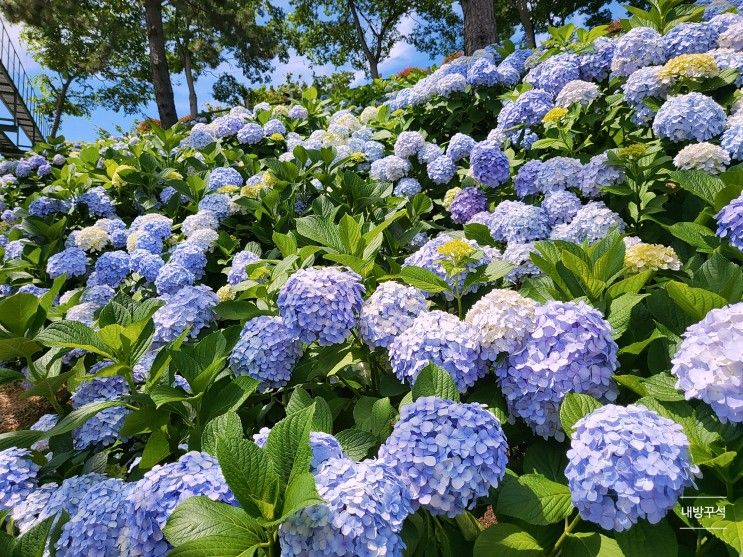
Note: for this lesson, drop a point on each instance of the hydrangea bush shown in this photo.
(508, 286)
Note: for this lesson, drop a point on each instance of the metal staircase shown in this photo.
(18, 94)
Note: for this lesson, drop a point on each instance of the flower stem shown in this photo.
(568, 528)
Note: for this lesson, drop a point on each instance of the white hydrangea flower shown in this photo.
(577, 92)
(92, 238)
(702, 156)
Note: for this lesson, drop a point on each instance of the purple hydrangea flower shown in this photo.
(460, 146)
(467, 203)
(552, 74)
(17, 476)
(409, 144)
(514, 221)
(597, 174)
(441, 170)
(407, 187)
(388, 312)
(689, 38)
(595, 65)
(591, 223)
(489, 164)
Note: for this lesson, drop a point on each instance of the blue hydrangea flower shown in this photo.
(297, 112)
(460, 146)
(525, 181)
(452, 83)
(274, 126)
(324, 446)
(150, 502)
(321, 304)
(237, 272)
(732, 141)
(202, 220)
(691, 117)
(642, 84)
(250, 134)
(191, 256)
(467, 203)
(365, 506)
(84, 313)
(71, 261)
(552, 74)
(597, 174)
(448, 454)
(389, 169)
(570, 350)
(68, 496)
(489, 164)
(171, 278)
(408, 144)
(689, 38)
(519, 254)
(708, 359)
(730, 222)
(441, 170)
(595, 65)
(483, 72)
(115, 228)
(639, 47)
(560, 206)
(267, 350)
(591, 223)
(527, 110)
(46, 206)
(625, 464)
(429, 152)
(102, 429)
(558, 173)
(429, 257)
(407, 187)
(223, 176)
(515, 221)
(98, 202)
(26, 513)
(99, 294)
(217, 203)
(145, 263)
(190, 306)
(33, 289)
(95, 527)
(111, 268)
(439, 338)
(45, 423)
(154, 224)
(17, 476)
(388, 312)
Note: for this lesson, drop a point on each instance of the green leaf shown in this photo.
(435, 381)
(696, 235)
(356, 442)
(156, 449)
(288, 444)
(221, 398)
(590, 545)
(658, 540)
(199, 517)
(237, 310)
(226, 425)
(699, 183)
(574, 406)
(620, 312)
(33, 542)
(696, 302)
(663, 387)
(285, 242)
(423, 279)
(215, 546)
(728, 528)
(17, 310)
(79, 416)
(546, 459)
(383, 414)
(506, 540)
(534, 498)
(300, 493)
(73, 334)
(321, 231)
(250, 474)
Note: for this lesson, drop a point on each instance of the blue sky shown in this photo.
(401, 56)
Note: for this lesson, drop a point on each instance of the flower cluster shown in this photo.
(643, 468)
(388, 312)
(730, 222)
(17, 477)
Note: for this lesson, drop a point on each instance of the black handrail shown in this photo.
(24, 87)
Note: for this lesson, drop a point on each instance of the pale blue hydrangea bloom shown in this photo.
(407, 187)
(26, 513)
(708, 360)
(190, 306)
(489, 164)
(202, 220)
(626, 464)
(69, 495)
(145, 263)
(365, 506)
(689, 38)
(441, 170)
(570, 350)
(519, 254)
(408, 144)
(732, 141)
(223, 176)
(560, 206)
(104, 427)
(596, 174)
(237, 272)
(591, 223)
(172, 277)
(250, 134)
(596, 64)
(17, 476)
(217, 203)
(448, 454)
(558, 173)
(267, 350)
(321, 304)
(525, 181)
(439, 338)
(639, 47)
(690, 117)
(389, 169)
(552, 74)
(111, 269)
(151, 501)
(388, 312)
(460, 146)
(515, 221)
(72, 261)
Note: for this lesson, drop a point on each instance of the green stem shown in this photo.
(729, 491)
(568, 528)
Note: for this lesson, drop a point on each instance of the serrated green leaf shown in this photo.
(574, 406)
(506, 540)
(356, 442)
(696, 302)
(226, 425)
(435, 381)
(728, 528)
(658, 540)
(534, 498)
(288, 444)
(423, 279)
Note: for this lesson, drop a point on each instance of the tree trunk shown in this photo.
(59, 106)
(159, 63)
(525, 17)
(480, 28)
(193, 102)
(371, 60)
